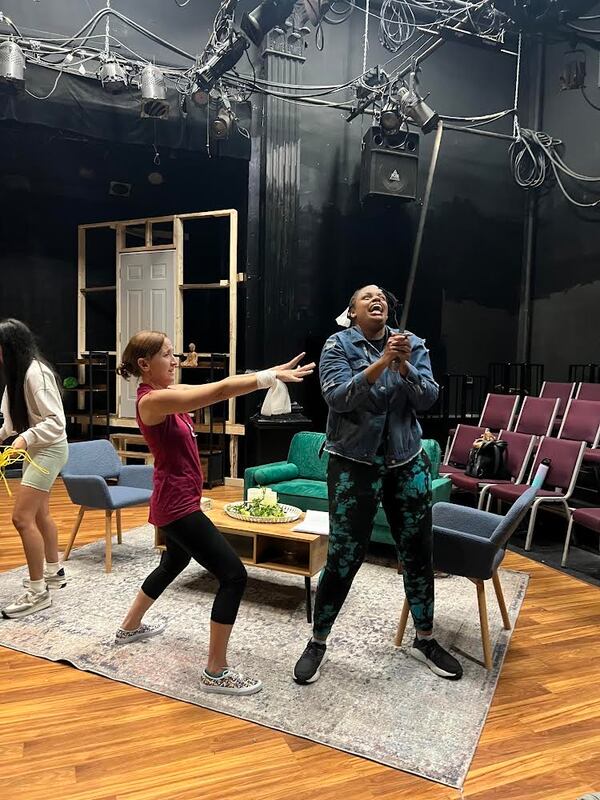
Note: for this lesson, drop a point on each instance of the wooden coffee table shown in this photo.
(272, 546)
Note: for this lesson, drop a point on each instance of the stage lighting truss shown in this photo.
(401, 21)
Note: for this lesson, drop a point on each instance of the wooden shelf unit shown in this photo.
(144, 233)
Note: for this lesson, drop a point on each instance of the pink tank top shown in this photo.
(177, 484)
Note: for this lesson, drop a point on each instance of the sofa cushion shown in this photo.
(301, 488)
(304, 453)
(272, 473)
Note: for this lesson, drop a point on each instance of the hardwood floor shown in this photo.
(69, 734)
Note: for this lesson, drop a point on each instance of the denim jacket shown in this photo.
(358, 411)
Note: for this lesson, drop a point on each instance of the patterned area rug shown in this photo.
(373, 700)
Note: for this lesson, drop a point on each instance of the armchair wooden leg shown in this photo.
(119, 529)
(501, 603)
(485, 630)
(74, 532)
(402, 624)
(108, 546)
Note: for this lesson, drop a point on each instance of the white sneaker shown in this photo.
(53, 581)
(143, 632)
(28, 603)
(230, 682)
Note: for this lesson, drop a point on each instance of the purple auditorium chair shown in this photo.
(458, 452)
(537, 416)
(586, 517)
(581, 423)
(499, 412)
(561, 391)
(566, 458)
(518, 454)
(589, 391)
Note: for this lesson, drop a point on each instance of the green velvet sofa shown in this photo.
(301, 481)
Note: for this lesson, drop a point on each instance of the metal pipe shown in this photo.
(490, 134)
(421, 229)
(525, 294)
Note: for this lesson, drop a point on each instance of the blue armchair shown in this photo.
(85, 475)
(472, 543)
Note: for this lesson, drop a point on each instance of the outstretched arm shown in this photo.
(155, 406)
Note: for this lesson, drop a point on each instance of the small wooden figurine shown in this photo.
(191, 358)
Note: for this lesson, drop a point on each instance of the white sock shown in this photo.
(421, 635)
(52, 568)
(38, 586)
(319, 641)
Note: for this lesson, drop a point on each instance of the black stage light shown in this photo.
(390, 120)
(268, 15)
(416, 109)
(113, 76)
(223, 123)
(218, 64)
(574, 70)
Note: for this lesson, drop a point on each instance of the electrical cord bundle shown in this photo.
(398, 22)
(535, 157)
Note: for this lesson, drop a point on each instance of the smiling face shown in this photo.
(369, 308)
(159, 371)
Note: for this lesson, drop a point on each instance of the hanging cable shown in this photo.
(534, 158)
(52, 90)
(587, 99)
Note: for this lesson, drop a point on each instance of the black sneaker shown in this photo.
(308, 666)
(439, 661)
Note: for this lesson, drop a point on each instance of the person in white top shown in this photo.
(33, 411)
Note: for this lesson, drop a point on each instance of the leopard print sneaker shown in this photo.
(143, 632)
(229, 682)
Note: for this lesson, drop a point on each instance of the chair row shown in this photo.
(500, 410)
(566, 458)
(537, 417)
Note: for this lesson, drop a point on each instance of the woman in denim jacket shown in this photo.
(374, 380)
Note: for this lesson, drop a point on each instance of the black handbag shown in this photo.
(488, 460)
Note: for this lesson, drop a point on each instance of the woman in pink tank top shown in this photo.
(163, 414)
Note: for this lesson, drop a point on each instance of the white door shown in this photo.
(147, 292)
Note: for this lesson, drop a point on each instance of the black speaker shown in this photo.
(390, 165)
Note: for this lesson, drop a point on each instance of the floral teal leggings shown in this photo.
(355, 491)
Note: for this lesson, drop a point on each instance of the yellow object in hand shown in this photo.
(10, 456)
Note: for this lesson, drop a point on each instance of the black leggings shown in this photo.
(196, 537)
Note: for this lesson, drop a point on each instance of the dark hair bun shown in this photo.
(124, 370)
